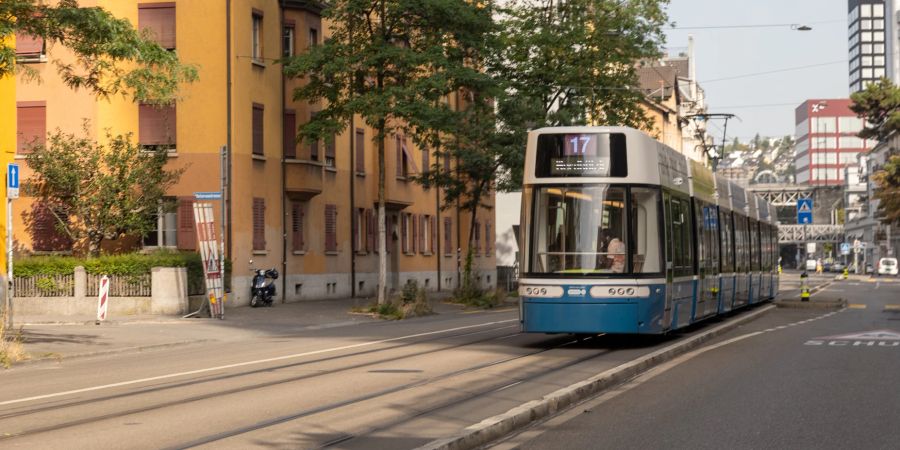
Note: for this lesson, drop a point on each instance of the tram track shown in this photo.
(236, 390)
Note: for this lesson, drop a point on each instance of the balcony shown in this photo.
(303, 179)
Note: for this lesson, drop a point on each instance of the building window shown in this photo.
(287, 41)
(330, 160)
(257, 127)
(156, 125)
(487, 238)
(313, 144)
(256, 52)
(360, 151)
(448, 236)
(477, 238)
(331, 228)
(405, 162)
(298, 217)
(290, 138)
(32, 125)
(313, 37)
(159, 19)
(359, 230)
(408, 233)
(259, 224)
(371, 226)
(426, 162)
(46, 235)
(166, 232)
(30, 48)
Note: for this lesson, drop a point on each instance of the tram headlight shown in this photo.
(541, 291)
(620, 291)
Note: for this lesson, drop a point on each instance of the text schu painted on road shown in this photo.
(878, 338)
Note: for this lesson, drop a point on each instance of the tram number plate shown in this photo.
(541, 291)
(620, 291)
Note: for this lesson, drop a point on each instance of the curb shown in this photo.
(138, 349)
(825, 304)
(496, 427)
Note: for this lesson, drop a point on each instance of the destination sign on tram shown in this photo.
(581, 155)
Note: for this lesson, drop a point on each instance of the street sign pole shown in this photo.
(12, 192)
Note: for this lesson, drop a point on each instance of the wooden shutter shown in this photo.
(426, 163)
(370, 230)
(28, 45)
(448, 237)
(313, 145)
(330, 228)
(45, 236)
(487, 237)
(399, 156)
(297, 226)
(388, 233)
(160, 20)
(258, 129)
(422, 225)
(187, 238)
(360, 150)
(477, 237)
(259, 224)
(156, 125)
(32, 125)
(355, 226)
(290, 135)
(446, 162)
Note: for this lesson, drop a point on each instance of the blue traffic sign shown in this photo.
(12, 181)
(845, 248)
(804, 211)
(215, 195)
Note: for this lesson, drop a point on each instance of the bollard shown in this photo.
(846, 273)
(779, 269)
(804, 287)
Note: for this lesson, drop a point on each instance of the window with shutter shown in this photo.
(404, 241)
(331, 228)
(477, 238)
(414, 231)
(29, 48)
(297, 219)
(360, 151)
(159, 19)
(314, 144)
(330, 159)
(356, 229)
(32, 125)
(487, 237)
(256, 43)
(259, 224)
(446, 162)
(258, 110)
(448, 237)
(426, 163)
(422, 238)
(290, 134)
(187, 239)
(389, 236)
(156, 125)
(287, 39)
(370, 230)
(400, 156)
(434, 234)
(45, 235)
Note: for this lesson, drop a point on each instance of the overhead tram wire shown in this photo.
(793, 26)
(788, 69)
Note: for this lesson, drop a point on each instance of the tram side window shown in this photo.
(740, 230)
(707, 223)
(645, 256)
(727, 241)
(681, 238)
(754, 246)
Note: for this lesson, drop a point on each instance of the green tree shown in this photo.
(572, 62)
(879, 105)
(111, 56)
(392, 63)
(887, 190)
(99, 191)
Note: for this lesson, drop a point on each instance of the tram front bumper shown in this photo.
(582, 317)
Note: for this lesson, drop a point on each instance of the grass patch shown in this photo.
(411, 302)
(11, 348)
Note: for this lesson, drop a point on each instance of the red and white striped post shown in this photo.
(103, 299)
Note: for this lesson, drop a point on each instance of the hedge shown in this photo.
(129, 264)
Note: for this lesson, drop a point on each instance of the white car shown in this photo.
(887, 266)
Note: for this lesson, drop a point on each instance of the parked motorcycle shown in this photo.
(262, 290)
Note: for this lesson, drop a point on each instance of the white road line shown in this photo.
(244, 364)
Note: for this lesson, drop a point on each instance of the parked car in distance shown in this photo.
(887, 266)
(837, 267)
(810, 265)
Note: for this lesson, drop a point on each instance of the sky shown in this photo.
(765, 103)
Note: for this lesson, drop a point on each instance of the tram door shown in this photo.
(670, 265)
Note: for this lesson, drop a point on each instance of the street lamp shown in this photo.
(797, 27)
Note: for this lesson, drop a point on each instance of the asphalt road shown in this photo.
(793, 379)
(384, 385)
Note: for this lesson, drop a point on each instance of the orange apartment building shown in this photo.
(306, 209)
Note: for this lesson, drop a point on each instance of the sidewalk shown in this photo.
(57, 338)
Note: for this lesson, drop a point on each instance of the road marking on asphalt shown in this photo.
(892, 307)
(248, 363)
(856, 306)
(881, 338)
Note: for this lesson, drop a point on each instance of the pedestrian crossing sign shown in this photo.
(804, 211)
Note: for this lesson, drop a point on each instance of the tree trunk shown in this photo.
(382, 231)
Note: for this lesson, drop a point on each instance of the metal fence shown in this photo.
(508, 277)
(45, 286)
(122, 286)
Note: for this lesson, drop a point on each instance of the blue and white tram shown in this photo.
(623, 234)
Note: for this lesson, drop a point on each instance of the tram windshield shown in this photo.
(584, 230)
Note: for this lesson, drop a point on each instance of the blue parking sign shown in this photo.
(804, 211)
(12, 181)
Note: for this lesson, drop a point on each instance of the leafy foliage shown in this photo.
(879, 105)
(111, 57)
(393, 63)
(887, 182)
(98, 191)
(572, 62)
